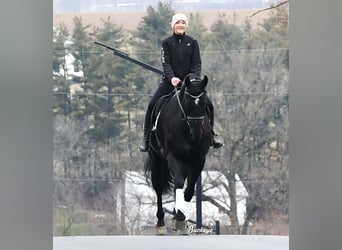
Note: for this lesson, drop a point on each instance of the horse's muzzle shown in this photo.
(195, 126)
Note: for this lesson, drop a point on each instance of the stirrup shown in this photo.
(217, 143)
(143, 147)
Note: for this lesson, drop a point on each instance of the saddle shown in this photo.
(158, 107)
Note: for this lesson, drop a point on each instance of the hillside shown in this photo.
(130, 20)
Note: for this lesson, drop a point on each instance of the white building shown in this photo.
(69, 70)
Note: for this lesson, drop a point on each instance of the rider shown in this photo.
(180, 56)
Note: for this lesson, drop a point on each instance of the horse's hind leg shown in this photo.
(157, 184)
(160, 228)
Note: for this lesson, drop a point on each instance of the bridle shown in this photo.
(187, 118)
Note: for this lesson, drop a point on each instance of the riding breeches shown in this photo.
(164, 88)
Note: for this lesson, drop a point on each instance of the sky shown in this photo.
(141, 5)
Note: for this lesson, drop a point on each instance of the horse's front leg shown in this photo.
(179, 171)
(179, 194)
(193, 175)
(182, 209)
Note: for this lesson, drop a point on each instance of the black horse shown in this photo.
(179, 144)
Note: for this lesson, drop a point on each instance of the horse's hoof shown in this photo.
(181, 227)
(161, 230)
(173, 225)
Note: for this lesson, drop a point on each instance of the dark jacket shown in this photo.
(180, 56)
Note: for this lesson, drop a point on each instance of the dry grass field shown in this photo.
(130, 20)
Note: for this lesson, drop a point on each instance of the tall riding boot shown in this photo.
(144, 144)
(216, 142)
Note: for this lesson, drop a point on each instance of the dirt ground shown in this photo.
(130, 20)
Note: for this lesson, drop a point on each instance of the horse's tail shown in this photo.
(157, 172)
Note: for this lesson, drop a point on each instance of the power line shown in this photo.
(98, 94)
(144, 94)
(118, 179)
(61, 51)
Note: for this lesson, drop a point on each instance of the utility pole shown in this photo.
(199, 202)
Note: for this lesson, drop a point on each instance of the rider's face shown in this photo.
(180, 27)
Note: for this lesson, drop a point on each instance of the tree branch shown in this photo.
(215, 203)
(272, 7)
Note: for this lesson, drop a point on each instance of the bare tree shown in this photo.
(252, 116)
(273, 6)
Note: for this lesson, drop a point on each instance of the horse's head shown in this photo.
(195, 104)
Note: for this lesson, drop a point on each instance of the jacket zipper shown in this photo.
(180, 48)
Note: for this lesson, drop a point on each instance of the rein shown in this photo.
(180, 105)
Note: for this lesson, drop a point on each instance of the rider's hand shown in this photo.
(175, 81)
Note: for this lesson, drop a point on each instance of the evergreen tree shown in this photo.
(107, 83)
(198, 30)
(226, 36)
(102, 79)
(153, 28)
(60, 83)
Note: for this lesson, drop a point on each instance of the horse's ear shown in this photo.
(205, 81)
